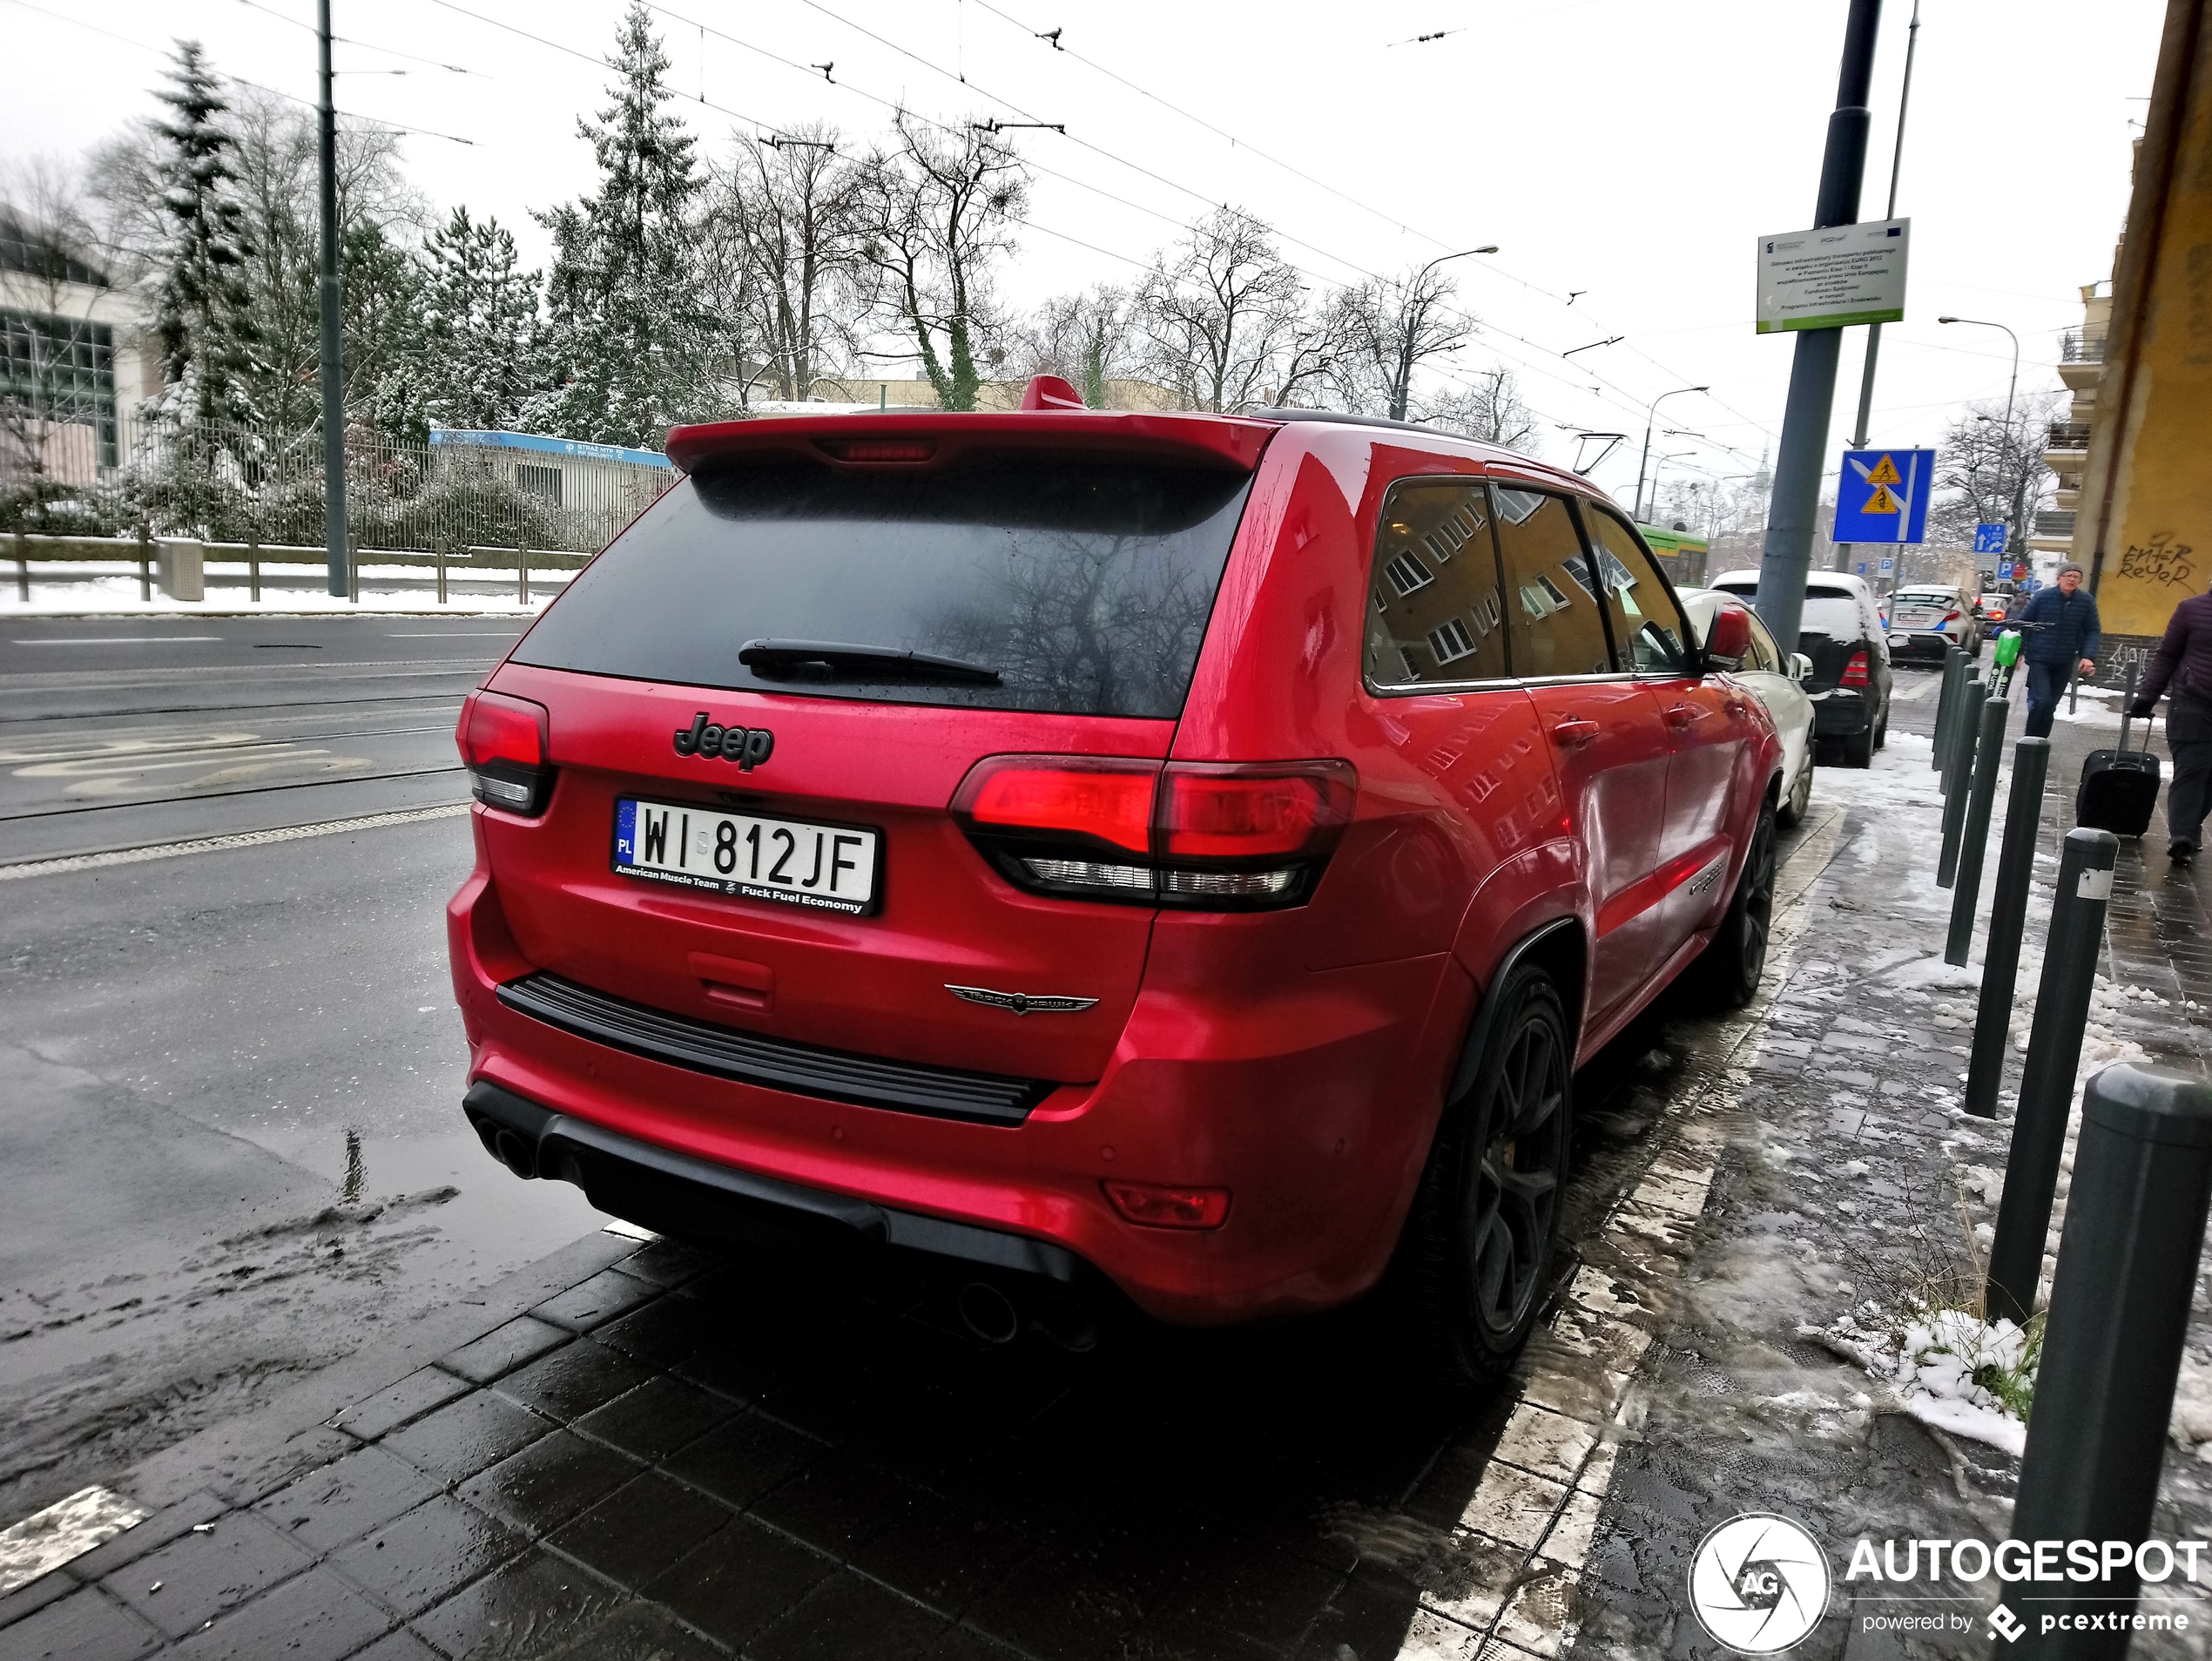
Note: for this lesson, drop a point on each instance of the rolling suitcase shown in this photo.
(2119, 787)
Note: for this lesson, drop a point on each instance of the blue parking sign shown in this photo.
(1989, 538)
(1883, 496)
(2004, 571)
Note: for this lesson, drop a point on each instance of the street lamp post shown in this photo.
(1659, 464)
(2019, 484)
(1401, 391)
(1651, 412)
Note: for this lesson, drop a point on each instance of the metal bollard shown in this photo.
(522, 572)
(2046, 1081)
(1966, 726)
(442, 570)
(1989, 749)
(2112, 1347)
(145, 565)
(254, 566)
(1954, 676)
(2001, 959)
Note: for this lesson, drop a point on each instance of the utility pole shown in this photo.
(334, 419)
(1874, 330)
(1787, 559)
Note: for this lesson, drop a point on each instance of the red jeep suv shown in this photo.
(1194, 850)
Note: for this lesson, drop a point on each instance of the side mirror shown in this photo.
(1800, 667)
(1728, 641)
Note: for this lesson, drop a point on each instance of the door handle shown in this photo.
(1573, 735)
(1736, 707)
(1680, 714)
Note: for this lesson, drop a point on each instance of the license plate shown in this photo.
(827, 868)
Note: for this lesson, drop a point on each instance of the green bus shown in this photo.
(1682, 554)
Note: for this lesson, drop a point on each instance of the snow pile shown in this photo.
(2191, 1425)
(1946, 1368)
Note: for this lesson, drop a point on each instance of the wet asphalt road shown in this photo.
(229, 1144)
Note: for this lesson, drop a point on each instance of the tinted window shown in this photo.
(1435, 613)
(1085, 585)
(1551, 599)
(1647, 628)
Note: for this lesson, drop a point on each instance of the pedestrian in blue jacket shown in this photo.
(2181, 667)
(2061, 624)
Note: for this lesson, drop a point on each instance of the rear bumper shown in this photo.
(1841, 714)
(1923, 644)
(1304, 1103)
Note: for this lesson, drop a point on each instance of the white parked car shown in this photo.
(1777, 678)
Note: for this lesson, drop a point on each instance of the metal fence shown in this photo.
(126, 475)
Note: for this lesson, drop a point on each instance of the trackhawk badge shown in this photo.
(1020, 1002)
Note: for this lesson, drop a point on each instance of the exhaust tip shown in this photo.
(516, 1154)
(988, 1312)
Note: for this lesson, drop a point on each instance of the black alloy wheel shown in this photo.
(1728, 972)
(1481, 1237)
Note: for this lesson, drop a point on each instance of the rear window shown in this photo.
(1828, 611)
(1085, 585)
(1925, 597)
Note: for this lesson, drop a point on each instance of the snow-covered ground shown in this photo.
(383, 588)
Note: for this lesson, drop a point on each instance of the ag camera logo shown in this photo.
(1758, 1583)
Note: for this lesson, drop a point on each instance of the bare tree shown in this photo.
(1489, 409)
(940, 209)
(786, 222)
(1392, 327)
(1221, 314)
(1985, 473)
(1089, 339)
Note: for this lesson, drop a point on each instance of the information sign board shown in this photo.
(1833, 278)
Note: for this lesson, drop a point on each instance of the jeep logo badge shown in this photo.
(1020, 1002)
(746, 745)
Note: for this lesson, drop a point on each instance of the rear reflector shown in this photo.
(1854, 672)
(1158, 1207)
(1208, 835)
(505, 742)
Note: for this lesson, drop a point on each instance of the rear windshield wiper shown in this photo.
(781, 657)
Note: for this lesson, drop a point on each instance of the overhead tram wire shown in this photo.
(240, 80)
(369, 46)
(1236, 142)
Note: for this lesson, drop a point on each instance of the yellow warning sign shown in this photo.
(1885, 473)
(1882, 501)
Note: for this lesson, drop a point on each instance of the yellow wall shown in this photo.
(2153, 542)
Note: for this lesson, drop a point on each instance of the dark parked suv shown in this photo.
(1185, 852)
(1850, 684)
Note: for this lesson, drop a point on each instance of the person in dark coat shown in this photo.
(2182, 668)
(2061, 629)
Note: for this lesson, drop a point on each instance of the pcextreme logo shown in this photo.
(1758, 1583)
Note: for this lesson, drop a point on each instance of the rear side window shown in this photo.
(1434, 614)
(1647, 628)
(1551, 596)
(1834, 613)
(1083, 585)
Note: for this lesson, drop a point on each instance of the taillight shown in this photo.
(1157, 1206)
(1199, 835)
(1854, 672)
(1953, 615)
(503, 743)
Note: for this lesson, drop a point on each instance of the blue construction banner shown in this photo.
(1883, 496)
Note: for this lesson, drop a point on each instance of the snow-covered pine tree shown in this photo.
(478, 344)
(627, 353)
(202, 319)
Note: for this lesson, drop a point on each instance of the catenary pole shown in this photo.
(333, 424)
(1874, 331)
(1787, 559)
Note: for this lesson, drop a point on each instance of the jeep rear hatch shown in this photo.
(984, 586)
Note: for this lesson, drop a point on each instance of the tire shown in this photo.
(1792, 811)
(1479, 1237)
(1859, 748)
(1727, 973)
(1882, 731)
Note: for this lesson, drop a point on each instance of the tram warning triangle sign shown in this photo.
(1881, 501)
(1885, 472)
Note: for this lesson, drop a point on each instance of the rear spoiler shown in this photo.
(934, 438)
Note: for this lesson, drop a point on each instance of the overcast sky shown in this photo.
(1630, 150)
